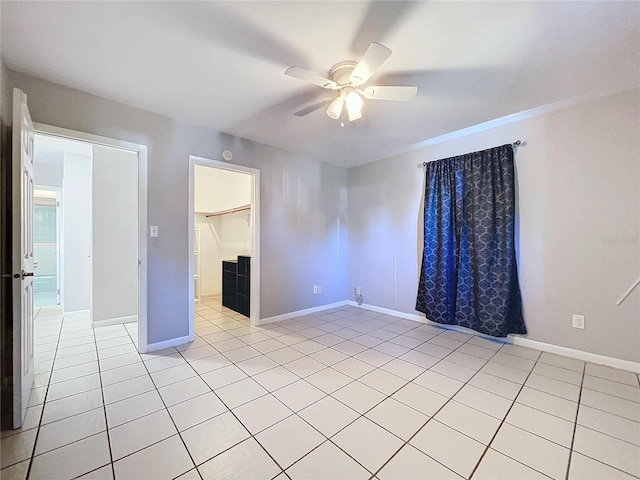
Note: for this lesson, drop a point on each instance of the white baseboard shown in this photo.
(169, 343)
(77, 314)
(579, 354)
(114, 321)
(388, 311)
(515, 340)
(306, 311)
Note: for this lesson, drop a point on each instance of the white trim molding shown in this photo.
(579, 354)
(76, 314)
(388, 311)
(114, 321)
(153, 347)
(515, 340)
(299, 313)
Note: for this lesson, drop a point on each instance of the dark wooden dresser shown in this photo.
(236, 284)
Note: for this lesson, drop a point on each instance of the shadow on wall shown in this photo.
(6, 285)
(420, 228)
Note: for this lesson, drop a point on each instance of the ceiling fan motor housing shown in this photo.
(341, 72)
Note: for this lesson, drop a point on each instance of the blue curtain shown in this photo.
(469, 275)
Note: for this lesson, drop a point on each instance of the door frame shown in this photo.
(255, 233)
(141, 151)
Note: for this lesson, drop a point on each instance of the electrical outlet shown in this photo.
(358, 290)
(319, 288)
(315, 289)
(577, 321)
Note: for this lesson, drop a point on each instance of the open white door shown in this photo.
(22, 247)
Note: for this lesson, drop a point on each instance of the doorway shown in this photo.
(101, 189)
(224, 236)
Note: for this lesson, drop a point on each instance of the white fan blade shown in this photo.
(399, 94)
(304, 75)
(313, 107)
(375, 56)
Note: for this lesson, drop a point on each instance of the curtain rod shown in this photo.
(515, 144)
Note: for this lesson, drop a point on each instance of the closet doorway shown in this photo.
(224, 266)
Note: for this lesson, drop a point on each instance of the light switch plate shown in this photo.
(153, 231)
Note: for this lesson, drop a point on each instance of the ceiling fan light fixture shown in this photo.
(335, 107)
(354, 105)
(354, 113)
(354, 101)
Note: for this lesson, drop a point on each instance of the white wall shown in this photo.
(76, 214)
(115, 234)
(216, 189)
(302, 202)
(235, 235)
(221, 238)
(579, 223)
(48, 174)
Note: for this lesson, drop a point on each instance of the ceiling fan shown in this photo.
(348, 79)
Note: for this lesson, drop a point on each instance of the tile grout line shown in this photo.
(70, 416)
(104, 406)
(44, 400)
(432, 417)
(294, 413)
(251, 435)
(165, 407)
(502, 422)
(170, 417)
(575, 423)
(397, 357)
(92, 435)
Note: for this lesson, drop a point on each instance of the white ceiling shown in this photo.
(221, 64)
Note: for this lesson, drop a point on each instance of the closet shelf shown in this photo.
(230, 210)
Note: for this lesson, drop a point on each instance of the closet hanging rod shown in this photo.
(230, 210)
(515, 144)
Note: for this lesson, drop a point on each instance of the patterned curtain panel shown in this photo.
(469, 275)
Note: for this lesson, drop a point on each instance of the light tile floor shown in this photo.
(342, 394)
